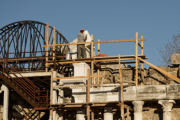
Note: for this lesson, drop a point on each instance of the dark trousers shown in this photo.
(81, 51)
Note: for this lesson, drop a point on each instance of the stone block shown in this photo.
(130, 93)
(173, 91)
(80, 98)
(81, 69)
(100, 97)
(114, 96)
(150, 92)
(175, 59)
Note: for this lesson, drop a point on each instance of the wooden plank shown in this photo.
(44, 57)
(136, 73)
(70, 106)
(95, 42)
(76, 77)
(54, 41)
(93, 104)
(47, 42)
(161, 70)
(94, 60)
(65, 86)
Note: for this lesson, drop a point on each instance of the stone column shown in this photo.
(108, 114)
(5, 101)
(59, 115)
(138, 107)
(53, 95)
(80, 115)
(167, 108)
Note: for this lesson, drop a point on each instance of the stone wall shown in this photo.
(110, 74)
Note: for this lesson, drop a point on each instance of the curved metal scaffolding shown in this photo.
(25, 39)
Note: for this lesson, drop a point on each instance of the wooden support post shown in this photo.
(47, 42)
(90, 78)
(54, 47)
(88, 98)
(128, 114)
(121, 89)
(136, 75)
(88, 112)
(98, 47)
(142, 53)
(92, 115)
(98, 72)
(54, 42)
(92, 62)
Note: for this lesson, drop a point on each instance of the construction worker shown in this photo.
(81, 51)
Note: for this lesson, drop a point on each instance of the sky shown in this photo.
(157, 20)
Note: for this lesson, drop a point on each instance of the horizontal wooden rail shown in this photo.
(89, 60)
(76, 77)
(95, 42)
(93, 104)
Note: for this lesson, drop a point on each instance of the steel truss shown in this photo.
(25, 39)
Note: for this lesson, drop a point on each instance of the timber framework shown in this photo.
(40, 71)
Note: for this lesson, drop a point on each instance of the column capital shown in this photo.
(81, 111)
(107, 109)
(138, 106)
(166, 104)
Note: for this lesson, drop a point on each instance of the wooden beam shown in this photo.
(54, 41)
(47, 42)
(92, 115)
(94, 60)
(69, 106)
(88, 112)
(88, 97)
(77, 77)
(95, 42)
(161, 70)
(136, 73)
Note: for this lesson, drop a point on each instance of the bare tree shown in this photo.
(171, 47)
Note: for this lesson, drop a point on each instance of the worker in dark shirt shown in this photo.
(81, 51)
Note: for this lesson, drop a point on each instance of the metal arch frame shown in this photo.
(24, 39)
